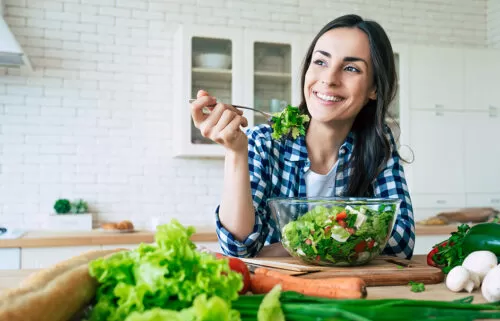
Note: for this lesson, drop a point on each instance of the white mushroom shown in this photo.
(459, 278)
(480, 262)
(491, 285)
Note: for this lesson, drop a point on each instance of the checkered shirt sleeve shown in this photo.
(391, 183)
(265, 230)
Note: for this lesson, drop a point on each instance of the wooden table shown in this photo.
(437, 292)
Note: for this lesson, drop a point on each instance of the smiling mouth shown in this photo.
(328, 98)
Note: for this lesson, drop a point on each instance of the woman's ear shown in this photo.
(373, 94)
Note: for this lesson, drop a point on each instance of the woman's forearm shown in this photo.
(236, 211)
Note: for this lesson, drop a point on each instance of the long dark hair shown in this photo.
(372, 148)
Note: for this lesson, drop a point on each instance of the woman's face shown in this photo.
(339, 80)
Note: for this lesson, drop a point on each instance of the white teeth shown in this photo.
(329, 98)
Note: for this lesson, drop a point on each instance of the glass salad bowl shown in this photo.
(334, 231)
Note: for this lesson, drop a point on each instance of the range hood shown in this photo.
(11, 53)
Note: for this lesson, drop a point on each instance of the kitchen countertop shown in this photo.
(34, 239)
(439, 292)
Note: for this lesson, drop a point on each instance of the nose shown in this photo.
(330, 77)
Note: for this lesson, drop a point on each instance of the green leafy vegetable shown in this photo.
(298, 307)
(169, 275)
(449, 253)
(288, 122)
(416, 286)
(270, 308)
(203, 309)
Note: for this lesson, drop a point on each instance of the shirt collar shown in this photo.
(296, 149)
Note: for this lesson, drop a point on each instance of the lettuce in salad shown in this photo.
(347, 235)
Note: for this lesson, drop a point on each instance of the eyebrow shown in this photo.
(347, 59)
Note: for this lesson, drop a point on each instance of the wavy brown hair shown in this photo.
(372, 149)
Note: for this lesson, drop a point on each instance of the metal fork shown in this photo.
(268, 115)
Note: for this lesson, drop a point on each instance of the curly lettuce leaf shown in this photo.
(288, 122)
(203, 309)
(168, 275)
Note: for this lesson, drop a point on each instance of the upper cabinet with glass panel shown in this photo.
(272, 71)
(249, 68)
(210, 59)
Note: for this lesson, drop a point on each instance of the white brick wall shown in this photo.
(93, 120)
(493, 23)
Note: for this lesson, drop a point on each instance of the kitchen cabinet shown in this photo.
(38, 258)
(436, 78)
(428, 205)
(262, 66)
(207, 58)
(10, 259)
(437, 142)
(437, 171)
(482, 153)
(482, 78)
(454, 127)
(423, 244)
(272, 71)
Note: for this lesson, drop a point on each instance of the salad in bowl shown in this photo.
(334, 231)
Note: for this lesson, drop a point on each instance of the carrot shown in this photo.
(340, 288)
(348, 283)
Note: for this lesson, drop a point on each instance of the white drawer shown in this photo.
(10, 258)
(445, 201)
(43, 257)
(483, 200)
(420, 214)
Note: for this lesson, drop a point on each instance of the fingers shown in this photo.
(201, 93)
(220, 114)
(230, 131)
(197, 108)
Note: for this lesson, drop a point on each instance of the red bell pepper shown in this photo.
(432, 254)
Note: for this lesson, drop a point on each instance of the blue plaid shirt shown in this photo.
(277, 169)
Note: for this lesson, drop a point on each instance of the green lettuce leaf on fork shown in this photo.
(289, 122)
(167, 275)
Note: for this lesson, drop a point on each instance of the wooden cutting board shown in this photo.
(384, 270)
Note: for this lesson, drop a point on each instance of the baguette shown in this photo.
(53, 294)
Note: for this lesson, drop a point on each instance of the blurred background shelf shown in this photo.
(212, 74)
(272, 77)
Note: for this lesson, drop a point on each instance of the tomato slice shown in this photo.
(239, 266)
(360, 247)
(341, 216)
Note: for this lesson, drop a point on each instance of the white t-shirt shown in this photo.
(321, 185)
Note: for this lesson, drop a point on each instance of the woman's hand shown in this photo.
(222, 124)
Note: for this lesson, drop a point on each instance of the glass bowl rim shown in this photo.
(346, 200)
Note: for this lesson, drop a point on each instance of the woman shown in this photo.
(348, 82)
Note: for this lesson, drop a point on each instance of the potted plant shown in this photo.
(70, 216)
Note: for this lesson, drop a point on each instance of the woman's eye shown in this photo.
(351, 69)
(319, 62)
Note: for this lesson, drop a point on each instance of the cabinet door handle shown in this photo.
(495, 201)
(439, 109)
(493, 111)
(441, 201)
